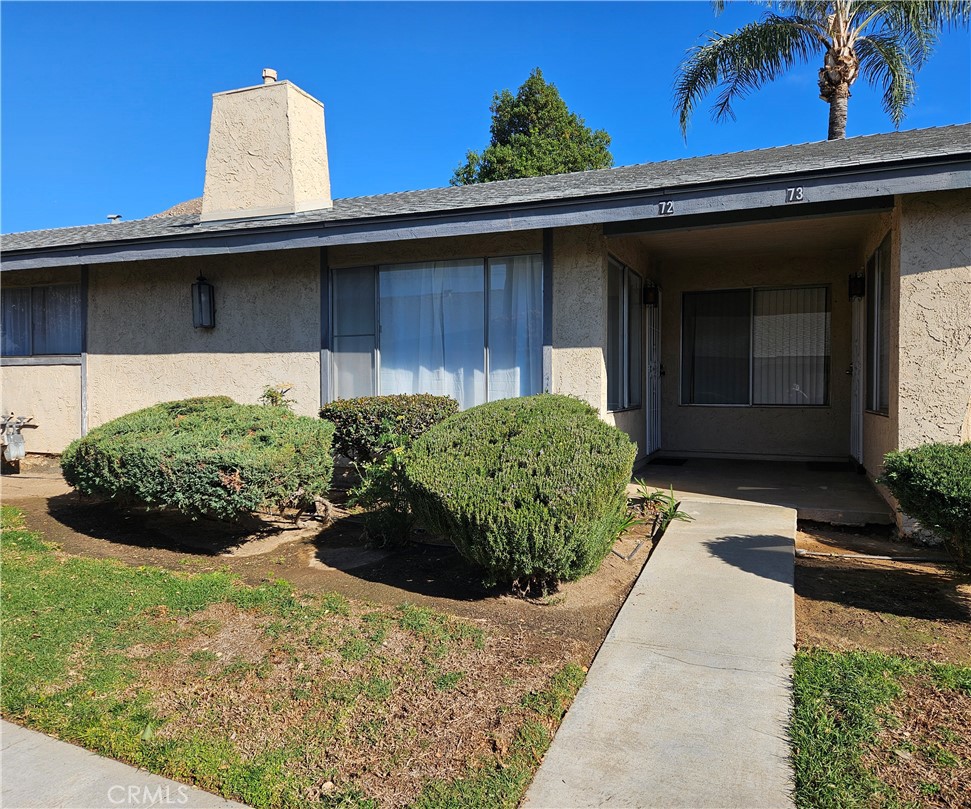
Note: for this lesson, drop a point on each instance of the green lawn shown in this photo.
(847, 730)
(265, 695)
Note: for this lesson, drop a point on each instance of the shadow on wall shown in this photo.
(767, 555)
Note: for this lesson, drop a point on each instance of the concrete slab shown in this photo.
(833, 493)
(687, 702)
(39, 772)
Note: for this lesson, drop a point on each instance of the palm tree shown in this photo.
(886, 42)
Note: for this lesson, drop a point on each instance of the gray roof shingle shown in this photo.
(920, 144)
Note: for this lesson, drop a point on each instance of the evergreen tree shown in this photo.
(534, 134)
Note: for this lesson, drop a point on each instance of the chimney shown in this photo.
(267, 153)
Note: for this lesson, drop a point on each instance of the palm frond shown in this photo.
(884, 63)
(740, 62)
(916, 25)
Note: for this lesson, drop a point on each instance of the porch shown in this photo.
(818, 490)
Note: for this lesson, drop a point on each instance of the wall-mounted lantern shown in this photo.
(857, 285)
(203, 304)
(652, 295)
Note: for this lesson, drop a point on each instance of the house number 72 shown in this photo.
(794, 194)
(665, 208)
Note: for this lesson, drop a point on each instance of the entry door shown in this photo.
(856, 369)
(653, 397)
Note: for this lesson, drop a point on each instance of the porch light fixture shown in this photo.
(651, 296)
(857, 285)
(203, 304)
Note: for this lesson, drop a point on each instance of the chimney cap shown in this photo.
(269, 75)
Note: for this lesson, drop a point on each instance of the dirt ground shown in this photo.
(336, 558)
(915, 609)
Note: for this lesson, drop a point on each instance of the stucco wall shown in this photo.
(142, 348)
(935, 318)
(49, 393)
(579, 314)
(783, 432)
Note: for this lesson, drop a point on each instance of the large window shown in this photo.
(471, 329)
(756, 347)
(625, 337)
(42, 320)
(878, 330)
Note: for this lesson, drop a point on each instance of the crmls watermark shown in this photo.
(162, 795)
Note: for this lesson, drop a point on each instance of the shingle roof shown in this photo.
(851, 153)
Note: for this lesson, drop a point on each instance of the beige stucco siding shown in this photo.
(142, 348)
(49, 393)
(580, 314)
(935, 318)
(783, 432)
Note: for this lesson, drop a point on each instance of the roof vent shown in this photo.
(269, 75)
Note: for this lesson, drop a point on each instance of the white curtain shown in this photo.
(433, 330)
(790, 346)
(515, 327)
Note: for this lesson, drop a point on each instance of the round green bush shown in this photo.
(362, 425)
(205, 457)
(533, 490)
(932, 483)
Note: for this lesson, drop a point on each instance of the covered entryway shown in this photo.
(759, 339)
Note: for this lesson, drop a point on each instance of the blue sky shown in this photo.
(105, 106)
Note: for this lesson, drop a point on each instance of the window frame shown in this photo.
(377, 269)
(626, 404)
(751, 352)
(33, 358)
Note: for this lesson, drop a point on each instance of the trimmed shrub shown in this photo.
(205, 457)
(533, 490)
(932, 483)
(364, 426)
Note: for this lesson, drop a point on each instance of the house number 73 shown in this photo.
(794, 194)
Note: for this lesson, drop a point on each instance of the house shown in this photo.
(808, 302)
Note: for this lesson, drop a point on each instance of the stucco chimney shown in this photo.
(267, 152)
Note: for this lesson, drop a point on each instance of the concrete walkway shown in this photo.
(43, 773)
(687, 702)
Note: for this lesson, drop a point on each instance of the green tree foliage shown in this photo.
(884, 41)
(534, 134)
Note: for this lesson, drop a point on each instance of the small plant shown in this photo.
(932, 483)
(382, 491)
(276, 396)
(664, 506)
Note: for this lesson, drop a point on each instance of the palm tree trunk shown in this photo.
(838, 103)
